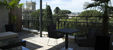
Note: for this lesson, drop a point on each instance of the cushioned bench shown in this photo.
(6, 35)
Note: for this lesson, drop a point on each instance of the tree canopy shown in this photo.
(57, 10)
(36, 13)
(91, 13)
(11, 4)
(58, 13)
(103, 4)
(49, 14)
(102, 0)
(65, 12)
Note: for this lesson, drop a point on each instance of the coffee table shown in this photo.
(67, 31)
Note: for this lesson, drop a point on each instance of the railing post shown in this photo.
(40, 19)
(58, 22)
(64, 24)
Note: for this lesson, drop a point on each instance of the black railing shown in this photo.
(83, 26)
(32, 24)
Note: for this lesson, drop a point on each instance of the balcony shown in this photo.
(35, 42)
(84, 25)
(94, 31)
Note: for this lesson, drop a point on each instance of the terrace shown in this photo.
(35, 42)
(84, 25)
(25, 30)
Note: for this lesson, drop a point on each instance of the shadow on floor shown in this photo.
(71, 44)
(25, 34)
(32, 46)
(57, 47)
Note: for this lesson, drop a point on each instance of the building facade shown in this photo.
(26, 11)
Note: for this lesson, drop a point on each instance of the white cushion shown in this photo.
(6, 35)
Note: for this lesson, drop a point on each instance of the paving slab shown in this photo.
(35, 42)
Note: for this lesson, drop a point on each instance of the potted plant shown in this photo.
(11, 6)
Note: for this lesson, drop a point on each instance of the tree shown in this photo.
(57, 10)
(36, 14)
(65, 12)
(61, 13)
(49, 17)
(103, 4)
(102, 0)
(91, 13)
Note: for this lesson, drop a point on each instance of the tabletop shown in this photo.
(67, 30)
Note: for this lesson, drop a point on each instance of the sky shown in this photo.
(72, 5)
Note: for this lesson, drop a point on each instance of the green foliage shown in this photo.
(95, 4)
(102, 1)
(11, 4)
(3, 3)
(49, 17)
(20, 5)
(91, 13)
(103, 4)
(57, 10)
(60, 13)
(46, 17)
(65, 12)
(13, 19)
(37, 13)
(60, 16)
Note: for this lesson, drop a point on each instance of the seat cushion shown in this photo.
(6, 35)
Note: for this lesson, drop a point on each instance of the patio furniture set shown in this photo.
(7, 39)
(92, 39)
(59, 33)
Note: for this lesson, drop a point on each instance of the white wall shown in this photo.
(3, 18)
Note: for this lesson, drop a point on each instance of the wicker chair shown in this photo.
(87, 40)
(52, 33)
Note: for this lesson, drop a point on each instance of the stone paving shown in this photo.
(35, 42)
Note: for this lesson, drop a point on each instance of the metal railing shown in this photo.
(77, 24)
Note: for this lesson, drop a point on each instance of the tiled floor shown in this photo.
(35, 42)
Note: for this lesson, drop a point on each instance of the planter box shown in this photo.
(10, 27)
